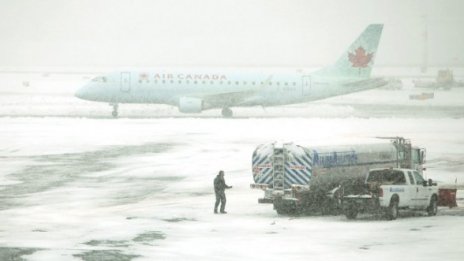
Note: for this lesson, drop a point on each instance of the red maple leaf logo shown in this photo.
(359, 58)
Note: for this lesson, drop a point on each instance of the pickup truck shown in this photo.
(388, 189)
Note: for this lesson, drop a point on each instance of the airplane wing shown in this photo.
(228, 99)
(365, 84)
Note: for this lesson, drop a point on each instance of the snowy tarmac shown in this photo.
(78, 185)
(141, 189)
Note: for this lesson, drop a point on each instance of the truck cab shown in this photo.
(390, 189)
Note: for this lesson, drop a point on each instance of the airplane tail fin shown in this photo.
(358, 59)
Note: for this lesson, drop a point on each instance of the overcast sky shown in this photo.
(294, 33)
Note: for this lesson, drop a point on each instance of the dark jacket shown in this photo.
(220, 184)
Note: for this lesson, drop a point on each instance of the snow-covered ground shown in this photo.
(141, 189)
(78, 185)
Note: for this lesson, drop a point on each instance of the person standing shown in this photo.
(219, 189)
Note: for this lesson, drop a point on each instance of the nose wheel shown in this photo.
(115, 110)
(227, 112)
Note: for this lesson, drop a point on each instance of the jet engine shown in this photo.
(190, 105)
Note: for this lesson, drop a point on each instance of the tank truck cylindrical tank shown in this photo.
(298, 179)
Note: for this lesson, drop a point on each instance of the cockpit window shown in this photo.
(99, 79)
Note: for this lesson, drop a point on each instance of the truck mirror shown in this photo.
(430, 182)
(424, 183)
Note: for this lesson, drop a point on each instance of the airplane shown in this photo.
(195, 90)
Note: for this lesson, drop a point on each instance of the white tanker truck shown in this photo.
(310, 180)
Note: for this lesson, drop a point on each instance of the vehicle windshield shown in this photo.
(387, 176)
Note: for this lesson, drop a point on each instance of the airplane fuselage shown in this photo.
(167, 87)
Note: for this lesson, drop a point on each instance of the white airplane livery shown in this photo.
(195, 90)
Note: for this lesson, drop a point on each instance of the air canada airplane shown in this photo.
(193, 91)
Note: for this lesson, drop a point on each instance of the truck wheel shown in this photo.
(432, 209)
(281, 210)
(351, 212)
(392, 210)
(284, 208)
(286, 211)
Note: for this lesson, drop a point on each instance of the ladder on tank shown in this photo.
(278, 168)
(403, 151)
(403, 157)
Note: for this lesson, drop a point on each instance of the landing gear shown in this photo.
(115, 110)
(227, 112)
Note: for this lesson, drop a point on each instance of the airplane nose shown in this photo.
(81, 93)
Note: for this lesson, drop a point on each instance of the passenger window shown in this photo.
(387, 176)
(398, 178)
(411, 180)
(419, 179)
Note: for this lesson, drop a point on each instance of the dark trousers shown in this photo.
(220, 198)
